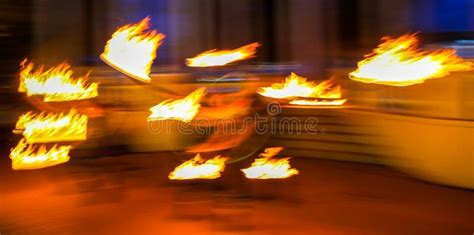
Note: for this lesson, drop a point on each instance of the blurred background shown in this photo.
(318, 34)
(392, 160)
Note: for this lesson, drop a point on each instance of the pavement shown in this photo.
(130, 194)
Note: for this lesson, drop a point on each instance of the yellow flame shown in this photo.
(55, 84)
(296, 86)
(317, 102)
(399, 62)
(47, 128)
(29, 157)
(197, 168)
(223, 57)
(267, 168)
(183, 109)
(132, 49)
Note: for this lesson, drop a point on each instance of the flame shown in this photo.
(223, 57)
(132, 49)
(319, 102)
(55, 84)
(29, 157)
(296, 86)
(197, 168)
(399, 62)
(46, 128)
(268, 168)
(183, 109)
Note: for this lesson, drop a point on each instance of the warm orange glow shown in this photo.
(29, 157)
(132, 49)
(55, 84)
(197, 168)
(223, 57)
(183, 109)
(47, 128)
(399, 62)
(296, 86)
(266, 167)
(317, 102)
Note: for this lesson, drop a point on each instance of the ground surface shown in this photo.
(130, 194)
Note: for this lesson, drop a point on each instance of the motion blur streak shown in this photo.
(183, 109)
(398, 62)
(132, 49)
(52, 127)
(197, 168)
(317, 102)
(55, 84)
(30, 157)
(296, 86)
(267, 168)
(223, 57)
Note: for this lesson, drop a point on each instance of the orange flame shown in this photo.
(223, 57)
(183, 109)
(399, 62)
(29, 157)
(197, 168)
(319, 102)
(55, 84)
(132, 49)
(46, 128)
(296, 86)
(268, 168)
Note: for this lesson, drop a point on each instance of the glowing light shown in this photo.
(197, 168)
(317, 102)
(223, 57)
(183, 109)
(266, 167)
(399, 62)
(296, 86)
(132, 49)
(29, 157)
(55, 84)
(47, 128)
